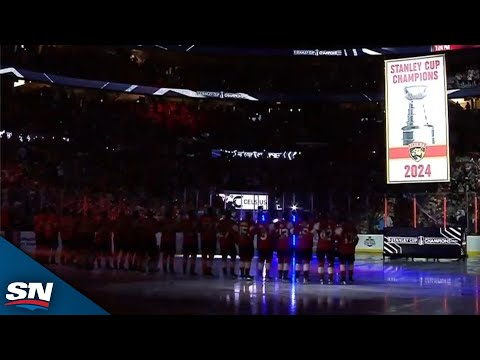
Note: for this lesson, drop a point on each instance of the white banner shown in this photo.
(416, 120)
(246, 201)
(473, 245)
(370, 243)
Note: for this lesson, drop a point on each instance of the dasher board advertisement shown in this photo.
(417, 120)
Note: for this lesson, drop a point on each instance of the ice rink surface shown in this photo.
(396, 287)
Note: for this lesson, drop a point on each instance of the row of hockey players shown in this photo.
(87, 240)
(289, 239)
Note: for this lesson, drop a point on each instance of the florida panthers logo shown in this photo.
(417, 150)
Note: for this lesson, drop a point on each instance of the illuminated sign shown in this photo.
(245, 201)
(239, 154)
(417, 120)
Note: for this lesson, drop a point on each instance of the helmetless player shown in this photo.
(326, 247)
(283, 232)
(265, 247)
(228, 235)
(304, 247)
(152, 252)
(168, 247)
(208, 241)
(247, 230)
(347, 241)
(190, 227)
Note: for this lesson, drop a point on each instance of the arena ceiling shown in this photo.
(138, 90)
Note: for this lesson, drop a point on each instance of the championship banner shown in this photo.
(416, 120)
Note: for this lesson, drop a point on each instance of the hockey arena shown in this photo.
(327, 182)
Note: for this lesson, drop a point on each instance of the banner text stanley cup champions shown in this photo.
(416, 120)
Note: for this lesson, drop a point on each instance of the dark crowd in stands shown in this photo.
(65, 146)
(73, 150)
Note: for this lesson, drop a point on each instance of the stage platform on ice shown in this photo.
(430, 243)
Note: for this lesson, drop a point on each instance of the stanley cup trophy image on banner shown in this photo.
(416, 120)
(417, 128)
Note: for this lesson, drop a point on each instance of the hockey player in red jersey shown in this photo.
(103, 241)
(304, 247)
(326, 247)
(190, 227)
(208, 241)
(283, 232)
(228, 234)
(247, 231)
(265, 247)
(347, 238)
(169, 227)
(151, 228)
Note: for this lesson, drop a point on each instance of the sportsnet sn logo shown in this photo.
(31, 296)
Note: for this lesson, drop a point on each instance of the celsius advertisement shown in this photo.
(245, 201)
